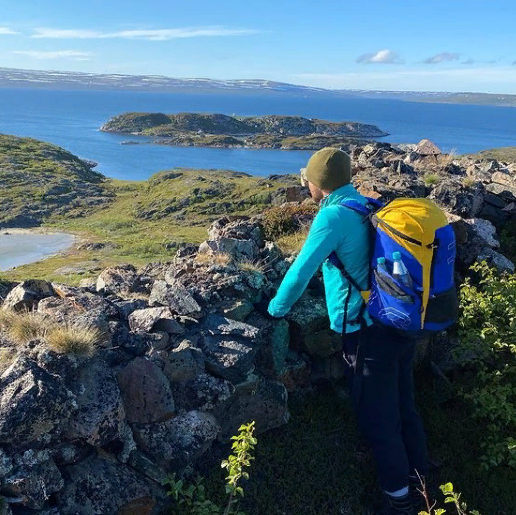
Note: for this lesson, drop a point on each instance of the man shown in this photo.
(380, 362)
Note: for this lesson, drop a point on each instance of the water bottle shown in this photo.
(399, 271)
(381, 266)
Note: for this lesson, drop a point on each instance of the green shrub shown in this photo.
(192, 500)
(450, 497)
(488, 348)
(431, 179)
(287, 220)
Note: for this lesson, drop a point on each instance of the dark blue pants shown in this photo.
(381, 377)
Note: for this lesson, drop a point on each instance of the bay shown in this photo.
(71, 119)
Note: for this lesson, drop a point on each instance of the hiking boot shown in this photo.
(398, 506)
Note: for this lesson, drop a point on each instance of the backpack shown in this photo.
(419, 230)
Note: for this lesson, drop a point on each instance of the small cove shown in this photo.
(21, 247)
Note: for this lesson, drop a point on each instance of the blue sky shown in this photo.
(443, 45)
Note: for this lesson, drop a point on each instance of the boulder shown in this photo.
(296, 372)
(238, 249)
(101, 414)
(229, 347)
(204, 392)
(184, 363)
(146, 392)
(26, 295)
(308, 316)
(452, 196)
(118, 279)
(426, 148)
(34, 482)
(34, 405)
(68, 311)
(100, 484)
(137, 344)
(240, 229)
(493, 258)
(176, 297)
(126, 307)
(160, 319)
(484, 230)
(237, 309)
(323, 343)
(178, 441)
(256, 399)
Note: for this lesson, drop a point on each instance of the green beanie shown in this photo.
(329, 169)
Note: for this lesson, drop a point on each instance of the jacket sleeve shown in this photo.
(323, 238)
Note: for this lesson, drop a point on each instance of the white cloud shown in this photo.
(7, 31)
(59, 54)
(149, 34)
(440, 58)
(383, 56)
(468, 61)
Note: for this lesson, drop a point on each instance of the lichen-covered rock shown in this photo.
(34, 482)
(118, 279)
(426, 148)
(296, 373)
(256, 399)
(159, 319)
(126, 307)
(323, 343)
(176, 297)
(68, 311)
(455, 197)
(204, 392)
(237, 309)
(307, 317)
(141, 463)
(183, 363)
(26, 295)
(34, 405)
(238, 249)
(146, 392)
(100, 485)
(101, 411)
(6, 464)
(493, 258)
(240, 229)
(179, 441)
(229, 347)
(484, 230)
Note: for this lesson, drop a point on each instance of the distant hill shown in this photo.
(12, 77)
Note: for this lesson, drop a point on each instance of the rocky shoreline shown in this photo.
(221, 131)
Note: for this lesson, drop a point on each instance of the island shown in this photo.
(223, 131)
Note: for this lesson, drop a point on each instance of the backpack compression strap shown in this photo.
(366, 211)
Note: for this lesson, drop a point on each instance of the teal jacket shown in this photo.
(338, 229)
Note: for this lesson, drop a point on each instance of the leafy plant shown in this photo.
(191, 499)
(450, 497)
(487, 346)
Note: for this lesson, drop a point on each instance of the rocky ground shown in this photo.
(108, 386)
(217, 130)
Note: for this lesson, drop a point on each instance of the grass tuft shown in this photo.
(431, 179)
(6, 358)
(72, 339)
(24, 326)
(213, 258)
(248, 265)
(292, 243)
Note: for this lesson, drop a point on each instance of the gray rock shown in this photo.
(137, 344)
(484, 230)
(26, 295)
(118, 279)
(256, 399)
(142, 464)
(459, 200)
(426, 148)
(68, 311)
(323, 343)
(505, 191)
(6, 464)
(296, 373)
(34, 483)
(179, 441)
(238, 249)
(176, 297)
(33, 404)
(88, 284)
(101, 410)
(184, 363)
(216, 324)
(205, 392)
(146, 392)
(160, 319)
(101, 485)
(126, 307)
(227, 356)
(308, 316)
(243, 229)
(237, 309)
(159, 340)
(496, 259)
